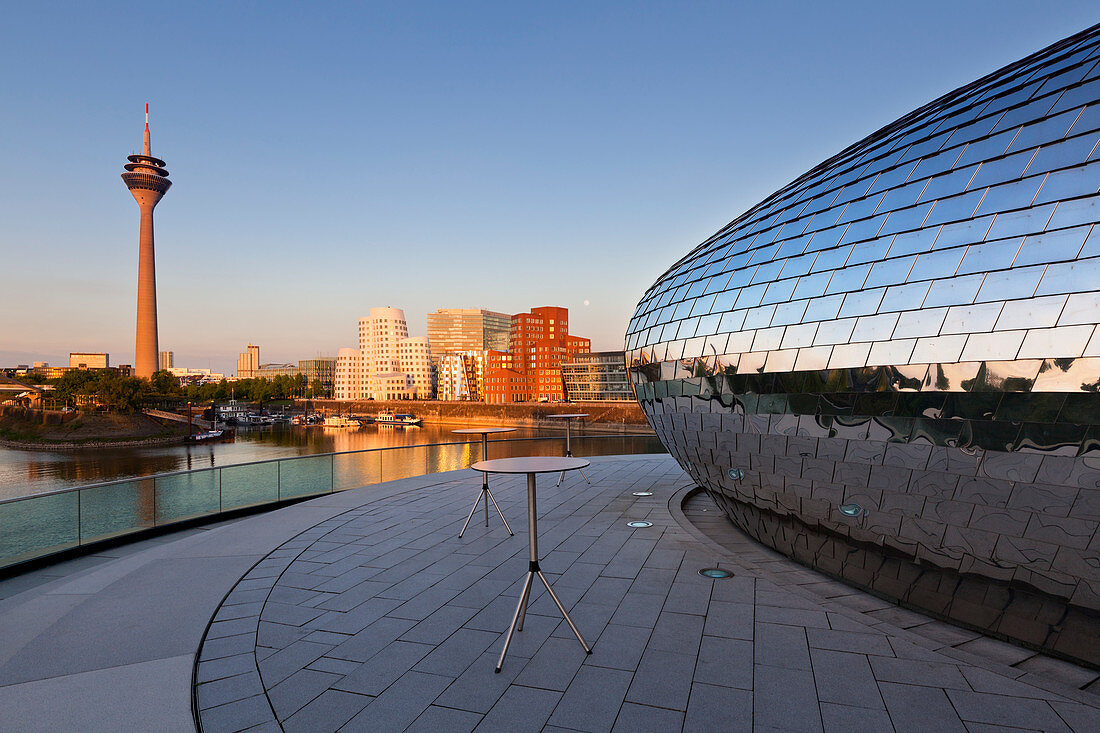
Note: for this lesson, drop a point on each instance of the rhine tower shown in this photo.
(147, 180)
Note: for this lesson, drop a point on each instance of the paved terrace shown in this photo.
(364, 611)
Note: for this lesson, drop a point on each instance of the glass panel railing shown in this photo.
(183, 496)
(404, 463)
(116, 509)
(615, 445)
(441, 458)
(306, 476)
(249, 484)
(351, 470)
(39, 525)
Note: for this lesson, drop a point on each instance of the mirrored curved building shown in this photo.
(890, 368)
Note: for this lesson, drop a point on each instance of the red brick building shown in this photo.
(531, 369)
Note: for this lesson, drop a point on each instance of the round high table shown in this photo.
(532, 466)
(568, 417)
(485, 493)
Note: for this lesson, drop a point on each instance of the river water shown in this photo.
(25, 472)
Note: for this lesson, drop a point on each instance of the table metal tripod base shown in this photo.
(521, 612)
(569, 454)
(487, 496)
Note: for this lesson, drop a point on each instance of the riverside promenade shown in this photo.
(364, 610)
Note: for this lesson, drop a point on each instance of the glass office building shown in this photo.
(599, 376)
(890, 368)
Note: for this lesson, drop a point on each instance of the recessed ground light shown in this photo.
(642, 493)
(851, 510)
(639, 524)
(736, 474)
(715, 573)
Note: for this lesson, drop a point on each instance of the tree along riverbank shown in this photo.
(53, 430)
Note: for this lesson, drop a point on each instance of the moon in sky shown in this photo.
(586, 302)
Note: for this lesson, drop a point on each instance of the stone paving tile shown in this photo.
(785, 699)
(356, 619)
(590, 619)
(913, 672)
(520, 709)
(329, 711)
(401, 625)
(335, 666)
(459, 651)
(229, 645)
(677, 632)
(592, 700)
(442, 623)
(847, 719)
(639, 609)
(725, 662)
(401, 704)
(436, 719)
(663, 679)
(920, 709)
(371, 640)
(635, 718)
(286, 662)
(849, 641)
(290, 695)
(553, 665)
(845, 678)
(238, 715)
(478, 688)
(277, 635)
(719, 709)
(228, 689)
(732, 620)
(985, 708)
(381, 670)
(216, 669)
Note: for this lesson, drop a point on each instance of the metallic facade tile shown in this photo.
(910, 328)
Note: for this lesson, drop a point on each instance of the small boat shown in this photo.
(208, 436)
(388, 418)
(341, 421)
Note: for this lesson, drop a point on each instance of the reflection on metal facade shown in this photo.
(890, 368)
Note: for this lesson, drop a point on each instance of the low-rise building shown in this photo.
(539, 342)
(89, 360)
(462, 376)
(599, 376)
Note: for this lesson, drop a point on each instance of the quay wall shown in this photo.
(625, 417)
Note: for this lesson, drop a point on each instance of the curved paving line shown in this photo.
(205, 718)
(675, 507)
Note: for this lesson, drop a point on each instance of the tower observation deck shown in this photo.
(147, 179)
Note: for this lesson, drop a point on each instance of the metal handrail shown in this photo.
(165, 474)
(60, 525)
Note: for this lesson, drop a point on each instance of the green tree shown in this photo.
(75, 382)
(165, 384)
(124, 394)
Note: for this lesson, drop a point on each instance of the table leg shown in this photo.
(532, 570)
(485, 476)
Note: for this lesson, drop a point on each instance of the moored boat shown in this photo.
(341, 421)
(389, 418)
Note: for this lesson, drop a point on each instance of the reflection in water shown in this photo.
(30, 472)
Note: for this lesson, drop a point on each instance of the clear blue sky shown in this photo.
(332, 157)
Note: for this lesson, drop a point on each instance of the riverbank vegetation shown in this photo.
(107, 389)
(35, 429)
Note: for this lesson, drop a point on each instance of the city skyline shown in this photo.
(487, 157)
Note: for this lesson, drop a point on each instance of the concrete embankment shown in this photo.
(624, 417)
